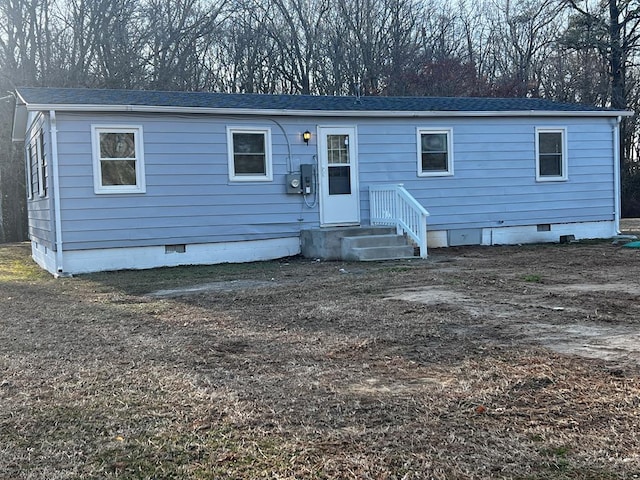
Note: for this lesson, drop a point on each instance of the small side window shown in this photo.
(118, 164)
(435, 152)
(41, 156)
(551, 154)
(30, 160)
(249, 154)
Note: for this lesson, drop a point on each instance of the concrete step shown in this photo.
(375, 247)
(363, 254)
(326, 243)
(386, 240)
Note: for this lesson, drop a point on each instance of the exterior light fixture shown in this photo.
(306, 136)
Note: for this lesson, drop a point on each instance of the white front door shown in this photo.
(339, 199)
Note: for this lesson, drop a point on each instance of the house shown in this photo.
(122, 179)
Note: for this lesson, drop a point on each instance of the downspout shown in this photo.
(616, 175)
(56, 192)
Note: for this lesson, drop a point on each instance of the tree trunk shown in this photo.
(616, 60)
(616, 65)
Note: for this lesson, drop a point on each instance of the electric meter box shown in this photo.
(294, 183)
(307, 178)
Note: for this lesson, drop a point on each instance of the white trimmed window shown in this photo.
(551, 154)
(249, 154)
(43, 173)
(31, 159)
(118, 161)
(435, 152)
(37, 160)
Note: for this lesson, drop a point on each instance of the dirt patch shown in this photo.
(228, 286)
(477, 363)
(518, 315)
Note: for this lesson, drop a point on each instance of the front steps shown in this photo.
(355, 244)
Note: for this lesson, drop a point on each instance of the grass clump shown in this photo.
(533, 278)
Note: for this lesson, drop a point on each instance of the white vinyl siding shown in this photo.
(551, 154)
(435, 152)
(249, 154)
(118, 159)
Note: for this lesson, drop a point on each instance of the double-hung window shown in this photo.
(36, 165)
(551, 154)
(249, 154)
(43, 174)
(118, 164)
(31, 161)
(435, 152)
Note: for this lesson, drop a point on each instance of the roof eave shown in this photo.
(324, 113)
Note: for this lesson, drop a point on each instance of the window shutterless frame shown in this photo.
(435, 152)
(41, 161)
(249, 154)
(29, 161)
(551, 154)
(118, 159)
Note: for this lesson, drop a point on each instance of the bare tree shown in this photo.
(617, 24)
(177, 33)
(525, 33)
(244, 59)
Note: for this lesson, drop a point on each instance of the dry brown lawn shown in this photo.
(478, 363)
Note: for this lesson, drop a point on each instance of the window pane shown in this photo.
(551, 165)
(249, 165)
(550, 142)
(339, 180)
(338, 149)
(118, 172)
(32, 169)
(43, 162)
(249, 154)
(434, 162)
(248, 143)
(117, 145)
(434, 142)
(435, 155)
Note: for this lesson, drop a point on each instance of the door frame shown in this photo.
(352, 131)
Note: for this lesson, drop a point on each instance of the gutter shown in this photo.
(324, 113)
(56, 193)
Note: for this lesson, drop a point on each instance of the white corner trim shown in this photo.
(55, 184)
(617, 209)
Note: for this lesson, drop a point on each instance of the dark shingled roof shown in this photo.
(85, 96)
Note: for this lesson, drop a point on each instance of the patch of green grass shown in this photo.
(534, 278)
(558, 452)
(217, 453)
(16, 264)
